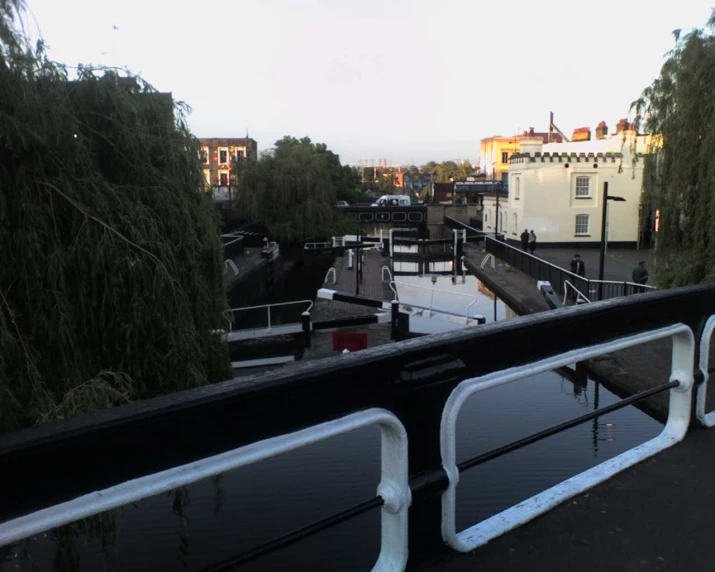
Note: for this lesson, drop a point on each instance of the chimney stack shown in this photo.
(601, 130)
(581, 134)
(622, 125)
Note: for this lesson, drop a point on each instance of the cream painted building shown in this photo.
(557, 190)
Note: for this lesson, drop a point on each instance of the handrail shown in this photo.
(335, 275)
(594, 281)
(490, 257)
(389, 273)
(229, 262)
(167, 426)
(680, 386)
(578, 293)
(268, 308)
(393, 492)
(554, 266)
(309, 245)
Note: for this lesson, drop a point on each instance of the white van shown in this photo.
(393, 201)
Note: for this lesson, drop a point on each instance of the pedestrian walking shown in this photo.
(640, 273)
(532, 241)
(579, 268)
(577, 265)
(525, 239)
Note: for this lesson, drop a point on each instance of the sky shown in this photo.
(407, 81)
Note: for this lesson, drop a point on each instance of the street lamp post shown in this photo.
(494, 188)
(604, 215)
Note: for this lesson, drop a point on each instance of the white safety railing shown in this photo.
(334, 273)
(390, 278)
(575, 293)
(673, 432)
(228, 263)
(488, 258)
(707, 419)
(473, 297)
(317, 245)
(268, 308)
(393, 487)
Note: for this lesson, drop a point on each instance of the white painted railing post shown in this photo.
(706, 419)
(672, 433)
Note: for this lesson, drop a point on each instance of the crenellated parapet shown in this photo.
(565, 157)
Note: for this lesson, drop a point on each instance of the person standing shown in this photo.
(532, 241)
(525, 239)
(640, 273)
(577, 266)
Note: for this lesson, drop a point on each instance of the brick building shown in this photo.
(218, 155)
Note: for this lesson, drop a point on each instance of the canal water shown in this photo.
(216, 519)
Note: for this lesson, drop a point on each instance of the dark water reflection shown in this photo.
(251, 505)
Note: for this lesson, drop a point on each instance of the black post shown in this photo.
(602, 258)
(305, 319)
(496, 223)
(394, 315)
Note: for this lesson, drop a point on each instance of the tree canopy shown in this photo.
(293, 188)
(679, 182)
(111, 259)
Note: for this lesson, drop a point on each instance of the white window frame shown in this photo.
(517, 188)
(237, 151)
(588, 225)
(228, 156)
(228, 178)
(205, 150)
(587, 188)
(207, 176)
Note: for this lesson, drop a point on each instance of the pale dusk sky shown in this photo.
(404, 80)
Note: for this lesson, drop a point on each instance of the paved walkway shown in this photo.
(654, 517)
(619, 264)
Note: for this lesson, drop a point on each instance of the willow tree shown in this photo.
(679, 182)
(111, 265)
(292, 190)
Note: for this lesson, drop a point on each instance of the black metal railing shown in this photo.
(413, 381)
(540, 269)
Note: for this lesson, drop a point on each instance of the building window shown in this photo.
(204, 155)
(505, 156)
(517, 188)
(486, 220)
(239, 155)
(582, 224)
(583, 187)
(207, 176)
(223, 156)
(224, 178)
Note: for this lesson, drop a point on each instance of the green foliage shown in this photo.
(679, 107)
(292, 189)
(112, 263)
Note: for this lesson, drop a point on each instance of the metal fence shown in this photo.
(539, 269)
(413, 391)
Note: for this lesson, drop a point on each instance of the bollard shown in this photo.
(350, 259)
(394, 315)
(305, 319)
